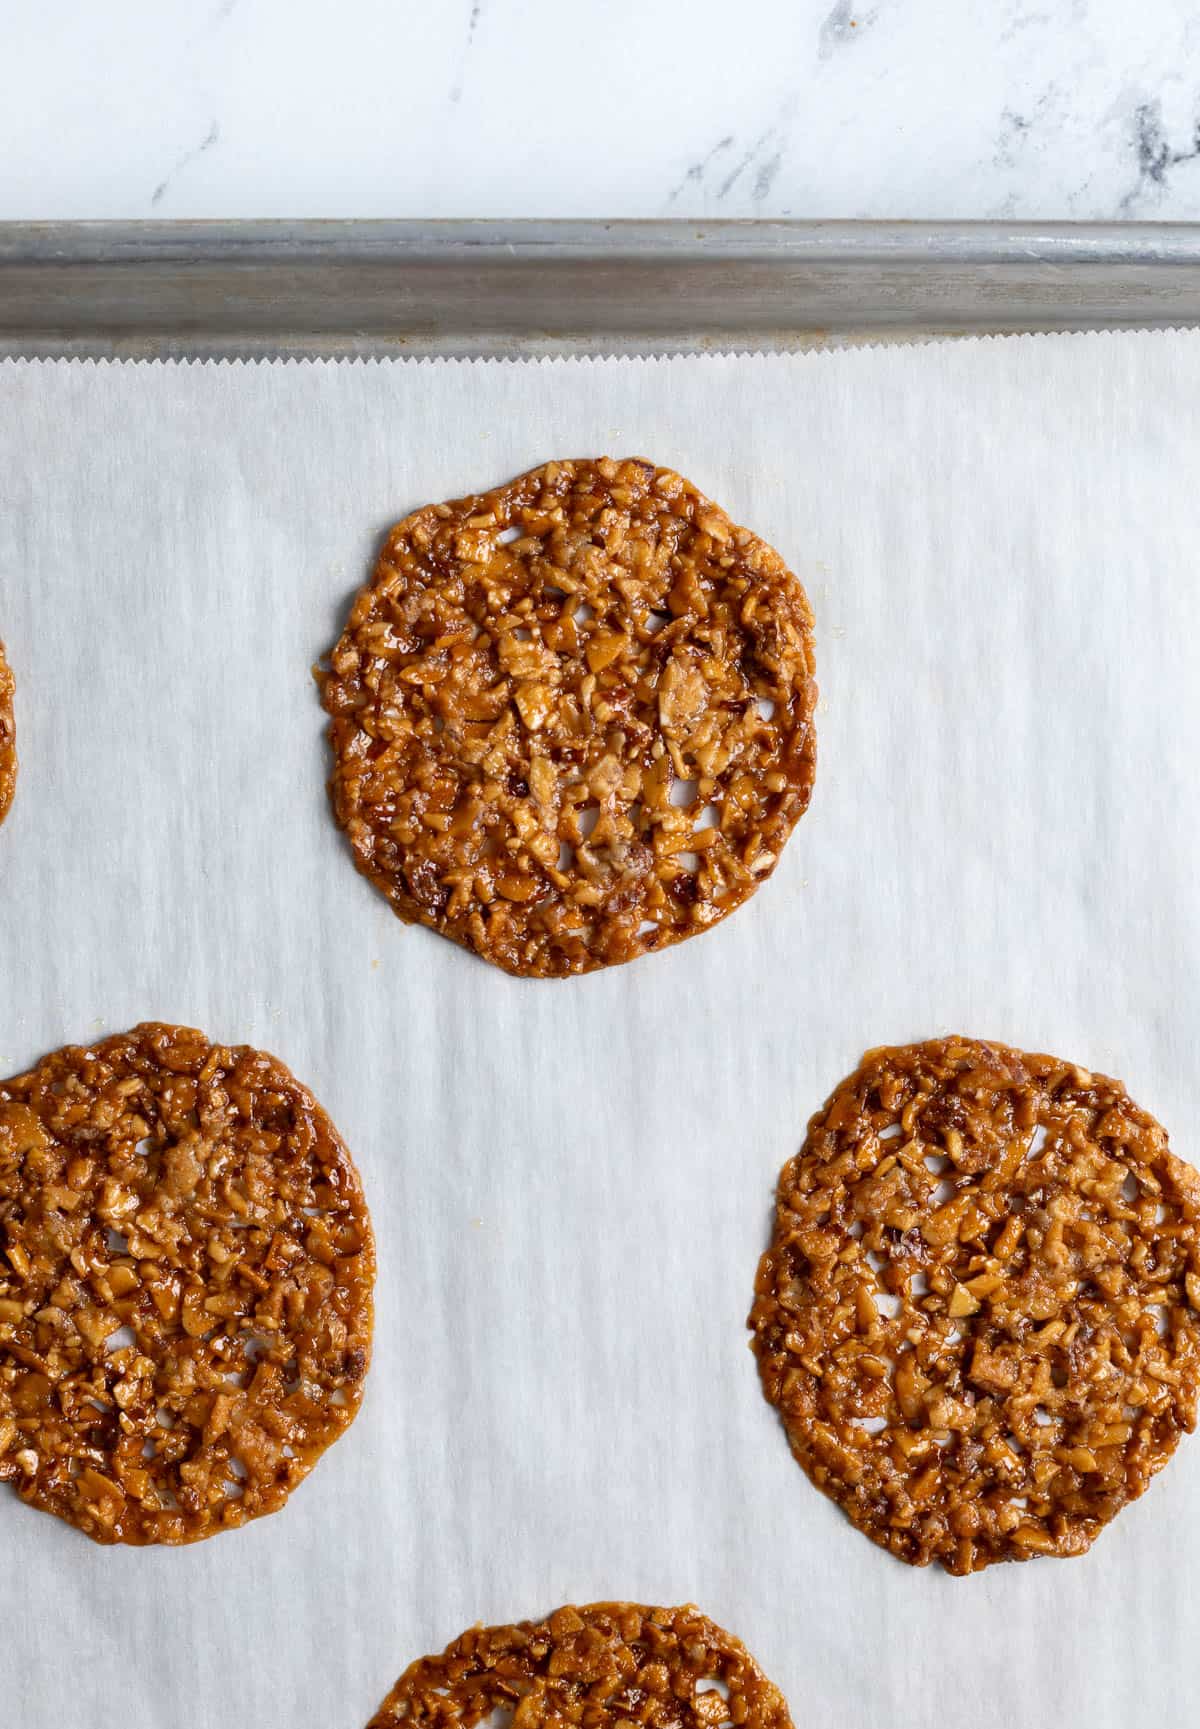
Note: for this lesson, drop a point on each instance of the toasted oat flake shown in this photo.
(976, 1313)
(572, 718)
(609, 1664)
(186, 1267)
(8, 737)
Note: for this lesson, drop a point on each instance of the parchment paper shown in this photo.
(571, 1182)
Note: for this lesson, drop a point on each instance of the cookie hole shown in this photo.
(589, 816)
(765, 706)
(1042, 1417)
(953, 1334)
(683, 792)
(116, 1242)
(646, 926)
(338, 1397)
(289, 1452)
(1021, 1501)
(936, 1162)
(163, 1418)
(870, 1425)
(918, 1285)
(236, 1378)
(1162, 1321)
(149, 1450)
(120, 1340)
(710, 817)
(499, 1717)
(1160, 1213)
(887, 1305)
(523, 635)
(712, 1684)
(855, 1229)
(655, 621)
(167, 1501)
(944, 1191)
(584, 614)
(1037, 1142)
(688, 861)
(891, 1133)
(506, 536)
(143, 1147)
(234, 1484)
(566, 855)
(1129, 1189)
(876, 1261)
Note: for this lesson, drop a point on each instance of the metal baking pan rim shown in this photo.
(208, 290)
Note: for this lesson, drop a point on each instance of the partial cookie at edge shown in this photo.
(186, 1272)
(978, 1313)
(603, 1664)
(8, 737)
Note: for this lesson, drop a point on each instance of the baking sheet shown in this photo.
(571, 1181)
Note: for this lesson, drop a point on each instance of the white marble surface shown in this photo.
(889, 108)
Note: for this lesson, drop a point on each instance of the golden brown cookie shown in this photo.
(609, 1664)
(572, 719)
(978, 1314)
(186, 1268)
(8, 737)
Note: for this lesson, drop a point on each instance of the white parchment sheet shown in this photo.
(571, 1182)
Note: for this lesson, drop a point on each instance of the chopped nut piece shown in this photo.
(991, 1371)
(1078, 1458)
(1033, 1537)
(1042, 1329)
(527, 727)
(170, 1146)
(606, 1666)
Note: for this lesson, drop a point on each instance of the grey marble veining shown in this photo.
(891, 108)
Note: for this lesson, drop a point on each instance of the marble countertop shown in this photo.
(505, 108)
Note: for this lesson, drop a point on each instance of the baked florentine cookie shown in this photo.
(978, 1314)
(8, 737)
(572, 719)
(615, 1664)
(186, 1267)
